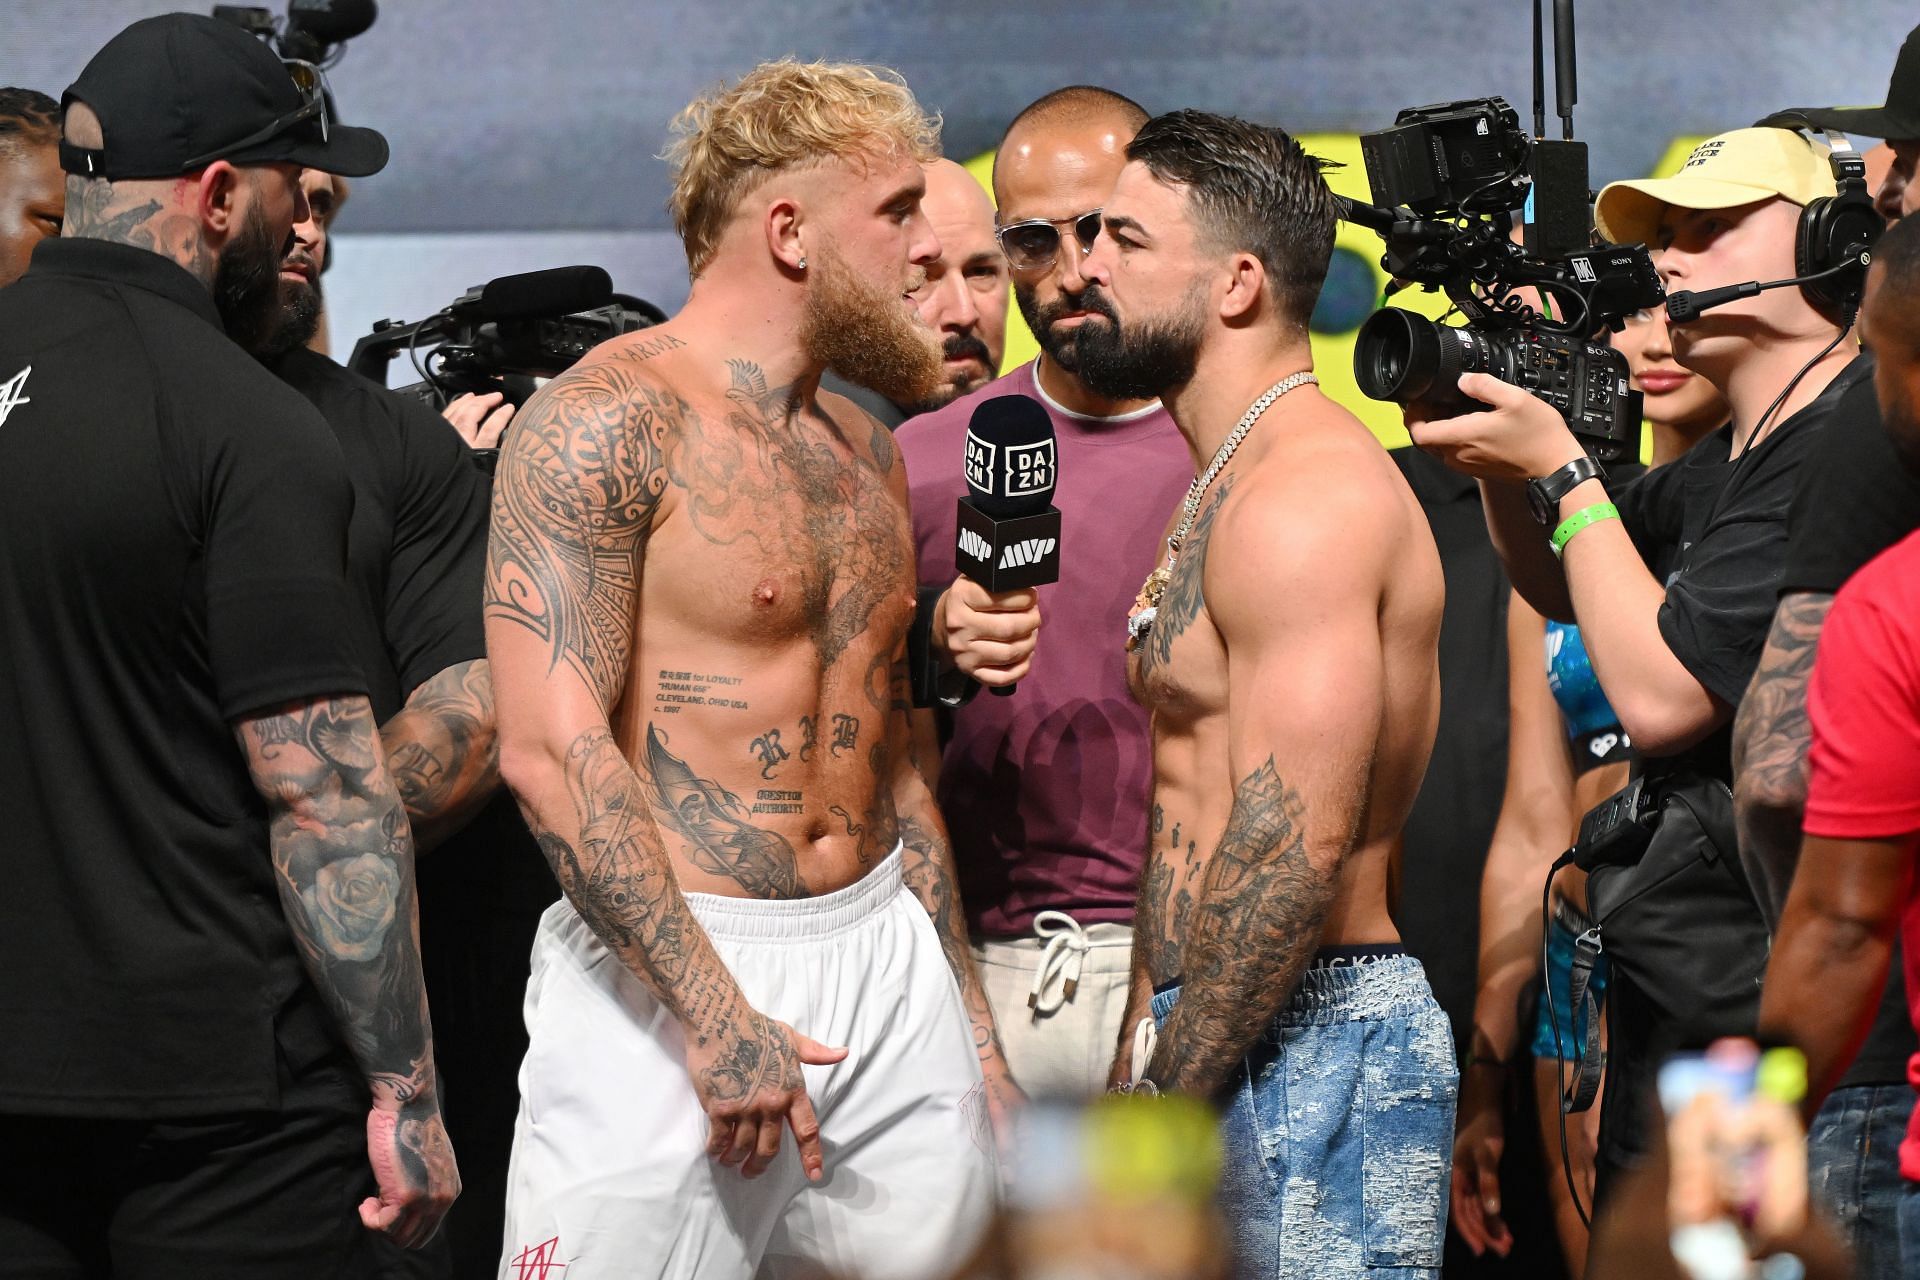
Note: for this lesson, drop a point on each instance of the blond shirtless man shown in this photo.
(700, 578)
(1287, 657)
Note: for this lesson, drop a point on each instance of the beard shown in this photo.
(864, 334)
(1146, 359)
(958, 346)
(246, 282)
(300, 304)
(1062, 349)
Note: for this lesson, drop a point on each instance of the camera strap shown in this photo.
(1579, 1095)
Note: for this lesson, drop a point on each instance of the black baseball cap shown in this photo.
(177, 92)
(1897, 118)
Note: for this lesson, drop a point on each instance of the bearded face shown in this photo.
(1143, 358)
(867, 334)
(246, 282)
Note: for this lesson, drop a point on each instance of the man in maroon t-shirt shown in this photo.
(1046, 792)
(1856, 876)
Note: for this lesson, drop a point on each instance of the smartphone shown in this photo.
(1736, 1152)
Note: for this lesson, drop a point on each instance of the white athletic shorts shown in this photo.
(610, 1176)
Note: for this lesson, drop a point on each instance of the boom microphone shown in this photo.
(1007, 530)
(1686, 304)
(557, 291)
(331, 21)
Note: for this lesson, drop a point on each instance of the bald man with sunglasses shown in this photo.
(1046, 792)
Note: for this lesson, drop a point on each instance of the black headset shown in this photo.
(1837, 232)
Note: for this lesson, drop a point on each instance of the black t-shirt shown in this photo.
(1715, 530)
(416, 550)
(173, 527)
(1856, 496)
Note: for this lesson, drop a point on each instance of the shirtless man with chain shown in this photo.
(700, 579)
(1287, 657)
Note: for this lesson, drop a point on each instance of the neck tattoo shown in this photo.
(1146, 605)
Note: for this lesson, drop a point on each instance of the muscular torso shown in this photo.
(774, 592)
(1180, 673)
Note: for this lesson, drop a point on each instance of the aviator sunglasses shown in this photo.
(310, 115)
(1031, 245)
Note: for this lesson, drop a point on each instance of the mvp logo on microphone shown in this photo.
(1026, 551)
(1001, 554)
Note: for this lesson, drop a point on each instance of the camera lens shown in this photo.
(1396, 355)
(1401, 356)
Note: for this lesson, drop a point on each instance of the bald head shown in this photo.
(1082, 117)
(964, 299)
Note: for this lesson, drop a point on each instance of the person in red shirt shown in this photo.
(1855, 880)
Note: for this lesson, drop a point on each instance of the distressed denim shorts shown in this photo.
(1339, 1131)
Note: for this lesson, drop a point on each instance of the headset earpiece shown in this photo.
(1834, 229)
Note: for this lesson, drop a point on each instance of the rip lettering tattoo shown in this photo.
(772, 754)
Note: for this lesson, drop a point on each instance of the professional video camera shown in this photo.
(1447, 180)
(314, 30)
(503, 335)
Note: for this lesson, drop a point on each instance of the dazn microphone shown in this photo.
(1686, 304)
(1007, 531)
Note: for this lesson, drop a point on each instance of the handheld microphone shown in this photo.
(557, 291)
(1007, 531)
(1686, 304)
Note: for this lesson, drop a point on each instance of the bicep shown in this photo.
(1862, 882)
(1307, 699)
(573, 502)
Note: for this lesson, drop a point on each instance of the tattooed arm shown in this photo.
(442, 752)
(1296, 599)
(927, 867)
(1770, 738)
(573, 503)
(343, 863)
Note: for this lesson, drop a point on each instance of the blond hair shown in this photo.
(783, 115)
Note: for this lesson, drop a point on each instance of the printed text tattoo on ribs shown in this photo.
(692, 689)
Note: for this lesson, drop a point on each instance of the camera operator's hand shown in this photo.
(1517, 438)
(989, 638)
(480, 419)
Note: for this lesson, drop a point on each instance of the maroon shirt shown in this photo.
(1046, 792)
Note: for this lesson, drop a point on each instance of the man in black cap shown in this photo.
(215, 1018)
(1852, 500)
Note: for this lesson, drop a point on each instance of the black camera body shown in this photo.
(506, 334)
(1448, 179)
(508, 355)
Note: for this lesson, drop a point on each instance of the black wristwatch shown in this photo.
(1544, 494)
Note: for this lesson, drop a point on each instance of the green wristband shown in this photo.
(1579, 520)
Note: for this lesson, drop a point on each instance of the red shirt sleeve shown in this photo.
(1864, 703)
